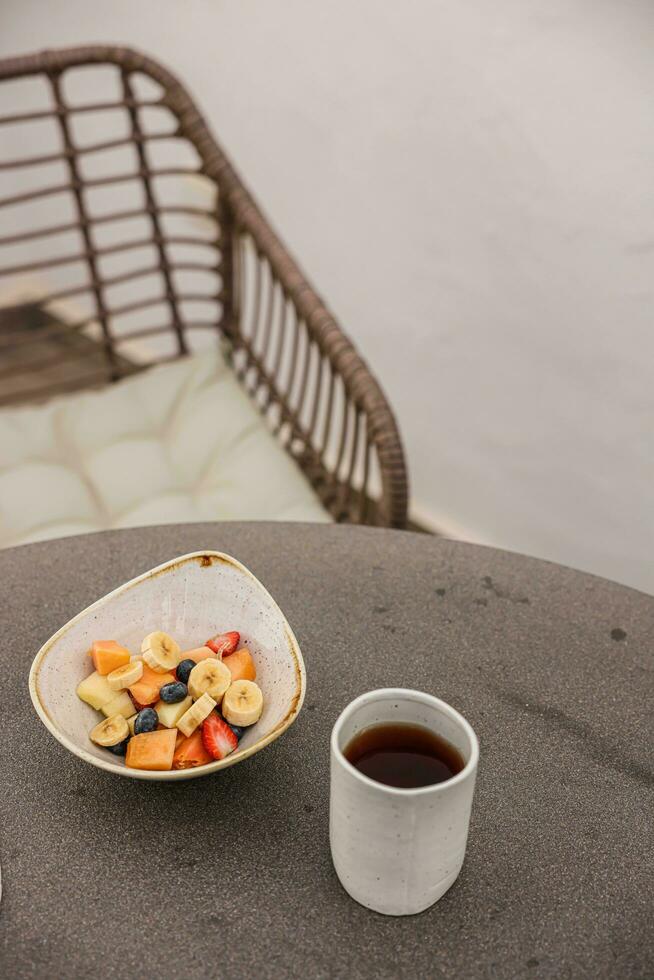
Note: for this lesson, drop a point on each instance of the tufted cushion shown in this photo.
(181, 442)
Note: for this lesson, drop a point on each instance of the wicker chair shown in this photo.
(314, 390)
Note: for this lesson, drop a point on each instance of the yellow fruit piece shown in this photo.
(120, 705)
(169, 714)
(111, 731)
(95, 690)
(243, 703)
(125, 676)
(211, 677)
(196, 714)
(160, 651)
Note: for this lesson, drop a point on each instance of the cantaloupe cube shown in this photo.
(146, 691)
(95, 690)
(108, 655)
(152, 750)
(197, 654)
(121, 704)
(241, 665)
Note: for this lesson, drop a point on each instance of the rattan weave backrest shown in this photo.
(105, 219)
(127, 239)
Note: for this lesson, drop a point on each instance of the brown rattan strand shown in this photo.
(26, 236)
(270, 312)
(115, 311)
(157, 240)
(123, 338)
(157, 235)
(227, 269)
(288, 414)
(317, 401)
(77, 183)
(39, 161)
(287, 348)
(281, 321)
(109, 281)
(75, 176)
(71, 110)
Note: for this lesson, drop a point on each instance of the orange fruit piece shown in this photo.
(151, 750)
(146, 690)
(190, 752)
(197, 654)
(241, 665)
(107, 655)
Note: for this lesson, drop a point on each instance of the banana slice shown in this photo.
(160, 652)
(243, 703)
(211, 677)
(111, 731)
(196, 714)
(123, 677)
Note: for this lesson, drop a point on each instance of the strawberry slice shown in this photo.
(223, 644)
(217, 737)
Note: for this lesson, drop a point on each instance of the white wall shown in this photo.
(471, 186)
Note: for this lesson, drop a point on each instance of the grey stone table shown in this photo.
(230, 876)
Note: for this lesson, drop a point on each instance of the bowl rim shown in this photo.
(205, 556)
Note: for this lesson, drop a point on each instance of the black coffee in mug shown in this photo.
(404, 756)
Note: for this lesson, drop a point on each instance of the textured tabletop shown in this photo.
(230, 876)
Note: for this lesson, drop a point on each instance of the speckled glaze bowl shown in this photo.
(191, 597)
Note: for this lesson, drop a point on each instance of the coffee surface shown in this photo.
(404, 756)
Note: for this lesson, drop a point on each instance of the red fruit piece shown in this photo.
(190, 752)
(223, 644)
(217, 737)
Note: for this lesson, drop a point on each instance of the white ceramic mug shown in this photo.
(397, 851)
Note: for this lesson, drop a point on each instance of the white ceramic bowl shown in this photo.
(192, 598)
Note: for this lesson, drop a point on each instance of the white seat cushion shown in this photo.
(178, 443)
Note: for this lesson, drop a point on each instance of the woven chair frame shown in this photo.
(316, 393)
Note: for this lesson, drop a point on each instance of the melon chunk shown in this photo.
(95, 690)
(190, 752)
(152, 750)
(241, 665)
(169, 714)
(196, 654)
(107, 655)
(146, 690)
(121, 704)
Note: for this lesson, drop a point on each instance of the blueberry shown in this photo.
(172, 693)
(146, 721)
(184, 669)
(119, 749)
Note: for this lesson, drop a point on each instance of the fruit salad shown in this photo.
(172, 709)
